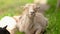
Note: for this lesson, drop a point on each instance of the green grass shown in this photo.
(12, 7)
(54, 18)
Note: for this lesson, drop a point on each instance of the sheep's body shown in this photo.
(32, 24)
(26, 19)
(39, 24)
(10, 22)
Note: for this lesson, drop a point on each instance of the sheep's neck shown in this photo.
(28, 21)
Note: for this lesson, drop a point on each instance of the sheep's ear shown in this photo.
(5, 27)
(26, 6)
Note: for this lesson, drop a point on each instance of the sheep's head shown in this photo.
(29, 9)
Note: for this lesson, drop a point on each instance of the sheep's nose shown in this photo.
(32, 12)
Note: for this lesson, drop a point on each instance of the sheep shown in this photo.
(10, 22)
(26, 18)
(4, 30)
(32, 22)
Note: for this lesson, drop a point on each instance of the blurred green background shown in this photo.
(13, 7)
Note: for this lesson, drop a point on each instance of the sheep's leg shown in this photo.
(28, 33)
(13, 31)
(43, 31)
(38, 31)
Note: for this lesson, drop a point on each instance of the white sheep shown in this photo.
(32, 22)
(26, 18)
(10, 22)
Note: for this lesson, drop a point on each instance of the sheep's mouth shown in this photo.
(32, 14)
